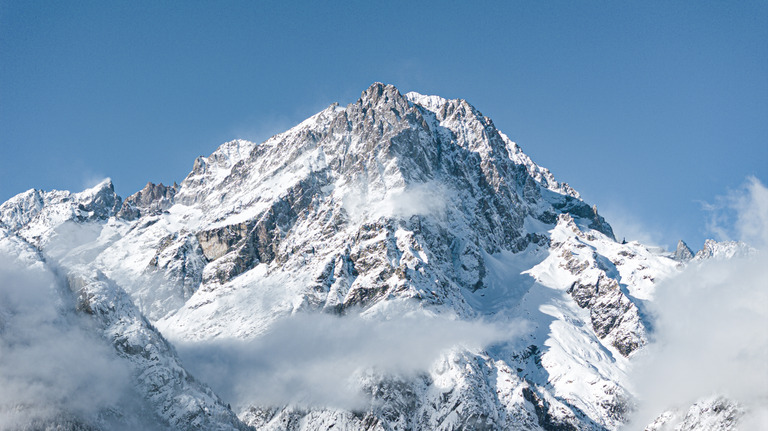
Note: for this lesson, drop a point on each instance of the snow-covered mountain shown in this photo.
(522, 310)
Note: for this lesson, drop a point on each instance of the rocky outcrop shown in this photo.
(612, 314)
(22, 208)
(35, 214)
(152, 199)
(181, 261)
(100, 202)
(577, 208)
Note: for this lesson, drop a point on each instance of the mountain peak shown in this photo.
(378, 89)
(105, 184)
(683, 252)
(384, 95)
(100, 199)
(392, 206)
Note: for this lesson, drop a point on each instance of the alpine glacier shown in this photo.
(394, 264)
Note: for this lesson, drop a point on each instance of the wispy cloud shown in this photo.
(428, 198)
(90, 179)
(628, 226)
(741, 214)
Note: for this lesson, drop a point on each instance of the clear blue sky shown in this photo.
(647, 108)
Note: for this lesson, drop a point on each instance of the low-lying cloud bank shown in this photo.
(710, 324)
(316, 360)
(51, 366)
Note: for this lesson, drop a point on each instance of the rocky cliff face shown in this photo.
(394, 201)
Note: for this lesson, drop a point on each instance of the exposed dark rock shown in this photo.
(152, 199)
(102, 204)
(546, 420)
(609, 308)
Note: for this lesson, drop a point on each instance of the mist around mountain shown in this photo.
(708, 336)
(397, 263)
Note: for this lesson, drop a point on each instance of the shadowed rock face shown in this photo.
(101, 204)
(160, 376)
(610, 310)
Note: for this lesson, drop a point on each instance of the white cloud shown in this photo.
(710, 323)
(752, 214)
(428, 198)
(50, 362)
(314, 359)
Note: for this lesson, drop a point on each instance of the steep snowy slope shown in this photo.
(394, 208)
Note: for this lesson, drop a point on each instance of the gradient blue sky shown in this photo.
(647, 108)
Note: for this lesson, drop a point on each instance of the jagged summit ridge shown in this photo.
(35, 213)
(443, 108)
(383, 129)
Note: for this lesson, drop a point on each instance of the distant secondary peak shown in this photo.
(683, 253)
(105, 184)
(724, 250)
(101, 193)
